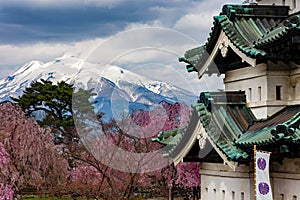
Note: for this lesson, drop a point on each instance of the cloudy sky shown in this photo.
(46, 29)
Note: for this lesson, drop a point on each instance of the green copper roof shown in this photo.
(170, 137)
(290, 26)
(256, 31)
(233, 129)
(229, 118)
(284, 129)
(242, 33)
(192, 57)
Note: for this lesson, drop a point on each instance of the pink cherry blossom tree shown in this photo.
(30, 157)
(132, 134)
(6, 191)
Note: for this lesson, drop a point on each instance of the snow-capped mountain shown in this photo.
(115, 87)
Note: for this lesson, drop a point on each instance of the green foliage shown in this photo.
(55, 104)
(81, 104)
(54, 100)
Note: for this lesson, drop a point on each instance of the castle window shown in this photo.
(281, 197)
(233, 195)
(242, 196)
(283, 2)
(293, 92)
(294, 197)
(259, 93)
(223, 194)
(278, 92)
(294, 4)
(250, 94)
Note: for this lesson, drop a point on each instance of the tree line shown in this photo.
(40, 147)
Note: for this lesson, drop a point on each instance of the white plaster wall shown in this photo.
(287, 189)
(251, 87)
(225, 188)
(295, 83)
(259, 84)
(289, 165)
(248, 79)
(293, 4)
(274, 79)
(218, 181)
(286, 179)
(259, 112)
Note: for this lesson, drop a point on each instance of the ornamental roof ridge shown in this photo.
(249, 30)
(226, 126)
(234, 10)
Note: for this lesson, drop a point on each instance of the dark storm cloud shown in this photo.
(47, 29)
(21, 23)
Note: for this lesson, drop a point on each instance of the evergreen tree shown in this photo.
(51, 105)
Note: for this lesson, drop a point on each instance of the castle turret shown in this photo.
(293, 4)
(256, 47)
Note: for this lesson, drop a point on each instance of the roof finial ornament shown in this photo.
(224, 48)
(202, 140)
(251, 2)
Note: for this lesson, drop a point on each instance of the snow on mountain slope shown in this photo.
(112, 84)
(65, 68)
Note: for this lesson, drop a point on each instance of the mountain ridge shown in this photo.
(113, 84)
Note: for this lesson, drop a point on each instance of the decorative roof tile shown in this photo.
(283, 127)
(232, 127)
(170, 137)
(192, 57)
(252, 29)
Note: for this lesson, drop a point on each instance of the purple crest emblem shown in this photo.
(263, 188)
(261, 163)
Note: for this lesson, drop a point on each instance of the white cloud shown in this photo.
(196, 25)
(202, 21)
(143, 47)
(13, 56)
(136, 25)
(139, 45)
(61, 3)
(135, 45)
(154, 50)
(197, 22)
(103, 3)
